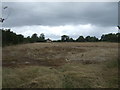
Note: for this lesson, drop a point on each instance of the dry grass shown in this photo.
(61, 65)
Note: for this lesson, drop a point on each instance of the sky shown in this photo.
(55, 19)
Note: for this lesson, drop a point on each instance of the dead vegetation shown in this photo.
(60, 65)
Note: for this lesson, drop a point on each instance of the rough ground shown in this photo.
(67, 65)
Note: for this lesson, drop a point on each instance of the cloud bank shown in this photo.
(57, 18)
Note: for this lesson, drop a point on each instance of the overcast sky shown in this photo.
(56, 18)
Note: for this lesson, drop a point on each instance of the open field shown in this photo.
(61, 65)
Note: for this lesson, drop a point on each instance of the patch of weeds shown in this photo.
(112, 64)
(67, 82)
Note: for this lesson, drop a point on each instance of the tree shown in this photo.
(64, 38)
(110, 37)
(71, 40)
(41, 38)
(91, 39)
(27, 40)
(34, 38)
(87, 39)
(118, 37)
(9, 37)
(20, 38)
(102, 38)
(80, 39)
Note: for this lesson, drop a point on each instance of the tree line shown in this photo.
(11, 38)
(66, 38)
(104, 38)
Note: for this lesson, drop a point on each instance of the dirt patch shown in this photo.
(25, 61)
(56, 54)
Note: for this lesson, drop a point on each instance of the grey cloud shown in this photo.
(29, 13)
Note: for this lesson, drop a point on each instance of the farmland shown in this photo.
(60, 65)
